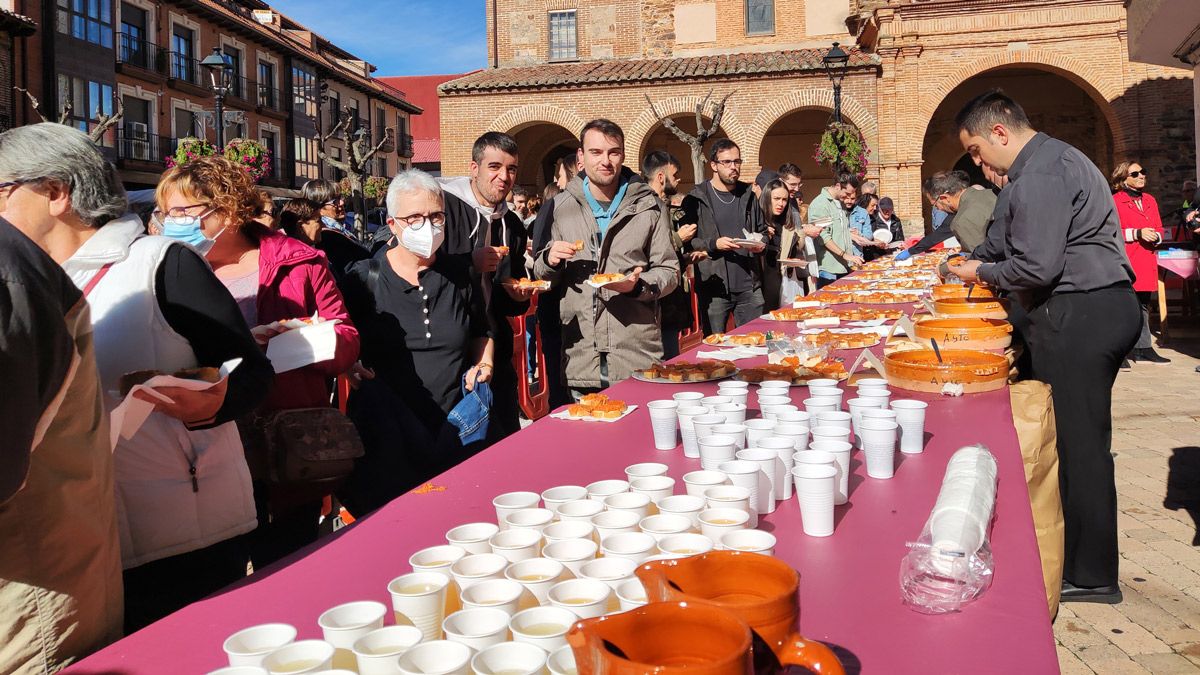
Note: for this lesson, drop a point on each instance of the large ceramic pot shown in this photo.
(971, 308)
(984, 334)
(920, 370)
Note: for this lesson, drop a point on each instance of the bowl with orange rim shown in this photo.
(921, 370)
(943, 291)
(965, 333)
(972, 307)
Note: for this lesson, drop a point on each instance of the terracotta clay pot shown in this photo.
(920, 370)
(976, 308)
(943, 291)
(761, 590)
(984, 334)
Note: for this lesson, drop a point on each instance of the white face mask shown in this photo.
(422, 239)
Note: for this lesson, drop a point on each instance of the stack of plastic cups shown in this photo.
(663, 421)
(856, 406)
(735, 431)
(821, 404)
(879, 414)
(785, 449)
(964, 506)
(911, 417)
(879, 446)
(798, 433)
(882, 395)
(830, 434)
(716, 450)
(815, 457)
(756, 430)
(744, 474)
(774, 388)
(735, 413)
(711, 402)
(768, 403)
(826, 392)
(815, 485)
(841, 460)
(871, 383)
(768, 465)
(735, 390)
(687, 431)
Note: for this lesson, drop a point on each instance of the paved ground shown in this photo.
(1156, 411)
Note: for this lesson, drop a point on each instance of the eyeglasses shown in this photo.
(12, 185)
(175, 212)
(417, 220)
(336, 202)
(729, 162)
(1132, 174)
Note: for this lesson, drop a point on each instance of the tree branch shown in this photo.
(106, 122)
(37, 106)
(670, 125)
(700, 132)
(718, 113)
(387, 134)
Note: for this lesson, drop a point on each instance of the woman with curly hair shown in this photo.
(210, 203)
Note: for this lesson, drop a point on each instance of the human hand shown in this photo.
(520, 294)
(1191, 215)
(188, 405)
(1149, 235)
(967, 271)
(487, 258)
(357, 373)
(812, 231)
(687, 232)
(903, 255)
(560, 251)
(756, 248)
(629, 282)
(263, 334)
(854, 260)
(697, 256)
(770, 231)
(480, 372)
(726, 244)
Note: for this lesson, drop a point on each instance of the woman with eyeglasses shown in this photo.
(423, 329)
(210, 203)
(302, 220)
(1141, 226)
(328, 195)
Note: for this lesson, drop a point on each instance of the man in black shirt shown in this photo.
(725, 210)
(1064, 261)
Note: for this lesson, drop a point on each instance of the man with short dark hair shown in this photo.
(793, 177)
(660, 170)
(608, 221)
(835, 251)
(1064, 261)
(727, 217)
(970, 205)
(519, 200)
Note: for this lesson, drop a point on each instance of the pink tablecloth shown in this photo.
(1186, 268)
(849, 582)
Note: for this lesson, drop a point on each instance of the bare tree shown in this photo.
(356, 165)
(696, 142)
(103, 122)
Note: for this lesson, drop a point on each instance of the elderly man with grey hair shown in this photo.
(425, 339)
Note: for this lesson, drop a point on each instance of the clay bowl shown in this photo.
(972, 308)
(919, 370)
(983, 334)
(943, 291)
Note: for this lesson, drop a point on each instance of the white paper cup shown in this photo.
(572, 553)
(795, 431)
(757, 429)
(615, 522)
(871, 384)
(513, 501)
(687, 429)
(635, 546)
(879, 414)
(772, 412)
(634, 502)
(734, 384)
(569, 529)
(814, 490)
(822, 382)
(774, 385)
(841, 460)
(815, 457)
(477, 628)
(580, 509)
(856, 407)
(696, 482)
(738, 396)
(604, 488)
(436, 559)
(655, 487)
(341, 626)
(612, 571)
(728, 497)
(748, 475)
(557, 496)
(879, 447)
(685, 544)
(826, 392)
(242, 670)
(712, 402)
(749, 541)
(882, 395)
(480, 567)
(822, 404)
(664, 418)
(562, 662)
(773, 398)
(735, 431)
(509, 658)
(734, 412)
(378, 652)
(249, 646)
(688, 506)
(529, 519)
(544, 627)
(419, 599)
(716, 449)
(501, 594)
(703, 424)
(836, 418)
(472, 537)
(826, 434)
(516, 545)
(439, 657)
(783, 447)
(714, 523)
(797, 416)
(645, 469)
(766, 460)
(586, 598)
(687, 397)
(664, 525)
(304, 656)
(536, 575)
(631, 594)
(910, 415)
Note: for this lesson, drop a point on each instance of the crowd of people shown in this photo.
(128, 529)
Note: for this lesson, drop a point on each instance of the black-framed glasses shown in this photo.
(417, 220)
(729, 162)
(1132, 174)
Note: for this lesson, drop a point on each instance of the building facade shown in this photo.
(422, 90)
(142, 57)
(557, 63)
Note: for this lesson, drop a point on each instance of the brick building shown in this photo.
(422, 90)
(557, 63)
(14, 28)
(288, 82)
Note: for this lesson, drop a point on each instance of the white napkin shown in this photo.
(733, 353)
(131, 414)
(300, 347)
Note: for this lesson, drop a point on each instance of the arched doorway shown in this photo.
(1055, 104)
(661, 138)
(541, 144)
(793, 139)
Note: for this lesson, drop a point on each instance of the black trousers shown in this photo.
(745, 306)
(1077, 342)
(158, 588)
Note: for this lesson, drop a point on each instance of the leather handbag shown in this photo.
(304, 445)
(470, 416)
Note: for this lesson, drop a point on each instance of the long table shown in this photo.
(849, 589)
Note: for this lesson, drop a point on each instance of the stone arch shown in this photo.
(520, 117)
(1091, 79)
(635, 134)
(852, 109)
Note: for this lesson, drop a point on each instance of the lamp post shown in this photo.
(836, 60)
(220, 73)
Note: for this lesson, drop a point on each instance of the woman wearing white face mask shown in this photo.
(423, 329)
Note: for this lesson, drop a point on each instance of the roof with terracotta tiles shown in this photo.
(17, 24)
(547, 75)
(427, 150)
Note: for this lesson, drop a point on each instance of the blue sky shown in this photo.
(400, 37)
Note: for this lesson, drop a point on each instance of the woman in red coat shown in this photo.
(1142, 229)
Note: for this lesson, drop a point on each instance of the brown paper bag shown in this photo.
(1033, 417)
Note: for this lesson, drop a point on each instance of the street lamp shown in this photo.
(220, 73)
(836, 61)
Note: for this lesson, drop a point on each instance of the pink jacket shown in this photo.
(294, 282)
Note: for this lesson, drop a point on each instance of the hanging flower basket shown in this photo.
(843, 147)
(190, 148)
(251, 155)
(375, 187)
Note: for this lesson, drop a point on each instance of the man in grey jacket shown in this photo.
(608, 221)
